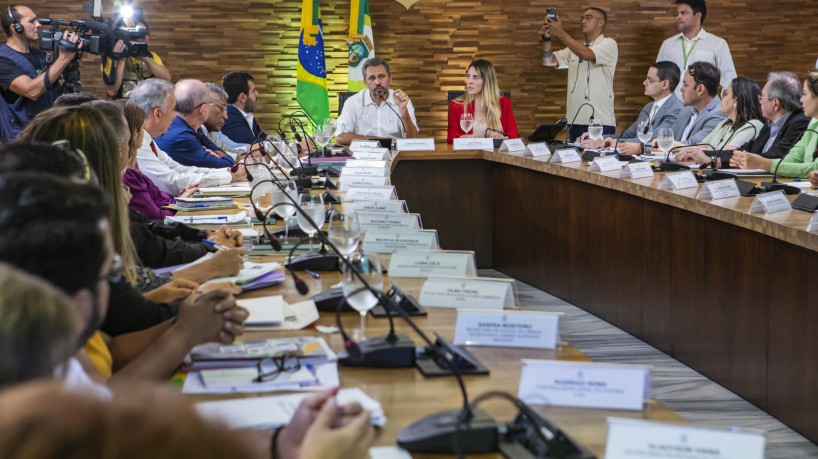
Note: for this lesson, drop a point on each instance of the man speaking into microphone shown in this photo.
(376, 111)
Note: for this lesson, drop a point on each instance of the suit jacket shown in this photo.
(187, 147)
(237, 129)
(663, 118)
(708, 119)
(790, 132)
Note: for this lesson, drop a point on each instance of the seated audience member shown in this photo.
(784, 115)
(241, 125)
(59, 230)
(491, 112)
(802, 158)
(216, 118)
(376, 111)
(739, 101)
(702, 111)
(183, 142)
(155, 422)
(662, 78)
(156, 98)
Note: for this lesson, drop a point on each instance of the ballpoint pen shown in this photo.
(314, 274)
(215, 245)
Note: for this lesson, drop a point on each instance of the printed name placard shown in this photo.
(415, 263)
(467, 292)
(373, 155)
(565, 156)
(391, 241)
(605, 164)
(513, 145)
(539, 149)
(416, 144)
(376, 164)
(362, 180)
(368, 149)
(719, 189)
(364, 171)
(479, 143)
(679, 181)
(770, 203)
(584, 384)
(813, 223)
(388, 222)
(371, 193)
(392, 207)
(525, 329)
(636, 170)
(363, 143)
(638, 439)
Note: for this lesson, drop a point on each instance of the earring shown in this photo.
(735, 106)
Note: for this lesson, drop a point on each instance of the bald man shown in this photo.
(184, 141)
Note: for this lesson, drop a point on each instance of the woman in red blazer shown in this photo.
(492, 114)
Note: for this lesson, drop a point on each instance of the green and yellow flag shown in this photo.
(361, 43)
(311, 87)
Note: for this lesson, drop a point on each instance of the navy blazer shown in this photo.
(187, 147)
(237, 129)
(663, 118)
(789, 134)
(708, 119)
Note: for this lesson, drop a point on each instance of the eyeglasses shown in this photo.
(724, 93)
(271, 367)
(760, 98)
(588, 17)
(114, 275)
(222, 108)
(649, 80)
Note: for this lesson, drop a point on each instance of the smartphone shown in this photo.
(551, 13)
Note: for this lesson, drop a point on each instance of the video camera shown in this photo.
(97, 37)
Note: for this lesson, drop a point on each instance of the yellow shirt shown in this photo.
(99, 354)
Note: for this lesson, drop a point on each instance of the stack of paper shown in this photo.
(227, 219)
(233, 189)
(273, 313)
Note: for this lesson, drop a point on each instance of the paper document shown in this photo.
(267, 310)
(250, 272)
(228, 219)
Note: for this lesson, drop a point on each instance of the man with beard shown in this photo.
(241, 126)
(376, 111)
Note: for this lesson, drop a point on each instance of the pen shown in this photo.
(312, 273)
(215, 245)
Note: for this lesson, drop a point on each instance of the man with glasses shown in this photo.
(693, 43)
(591, 66)
(216, 117)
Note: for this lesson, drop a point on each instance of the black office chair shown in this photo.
(459, 92)
(342, 98)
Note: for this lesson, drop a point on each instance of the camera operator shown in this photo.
(121, 75)
(28, 85)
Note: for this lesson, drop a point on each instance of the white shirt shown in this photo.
(704, 47)
(75, 378)
(658, 105)
(233, 152)
(591, 82)
(247, 117)
(363, 116)
(170, 176)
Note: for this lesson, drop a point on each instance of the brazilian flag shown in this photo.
(311, 88)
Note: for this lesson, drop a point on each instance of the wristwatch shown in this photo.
(545, 39)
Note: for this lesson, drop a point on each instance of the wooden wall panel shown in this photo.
(430, 45)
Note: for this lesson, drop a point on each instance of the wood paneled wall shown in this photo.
(430, 46)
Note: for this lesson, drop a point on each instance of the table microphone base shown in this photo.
(377, 352)
(436, 433)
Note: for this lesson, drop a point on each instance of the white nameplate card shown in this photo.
(390, 207)
(416, 144)
(719, 189)
(362, 180)
(376, 164)
(636, 170)
(679, 181)
(539, 149)
(639, 439)
(373, 155)
(605, 164)
(411, 263)
(347, 171)
(513, 145)
(478, 143)
(565, 156)
(813, 223)
(368, 149)
(372, 193)
(584, 384)
(391, 241)
(388, 222)
(463, 292)
(364, 143)
(525, 329)
(770, 203)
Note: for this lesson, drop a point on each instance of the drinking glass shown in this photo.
(358, 297)
(595, 130)
(345, 232)
(664, 137)
(644, 131)
(283, 204)
(262, 195)
(312, 205)
(323, 134)
(466, 122)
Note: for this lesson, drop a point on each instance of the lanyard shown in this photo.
(685, 52)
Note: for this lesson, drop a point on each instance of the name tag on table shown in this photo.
(813, 223)
(391, 241)
(390, 207)
(565, 156)
(371, 193)
(355, 144)
(373, 155)
(347, 171)
(539, 149)
(405, 263)
(605, 164)
(388, 222)
(474, 144)
(638, 439)
(719, 189)
(362, 180)
(636, 170)
(513, 145)
(367, 163)
(416, 144)
(463, 292)
(522, 329)
(679, 181)
(770, 203)
(584, 384)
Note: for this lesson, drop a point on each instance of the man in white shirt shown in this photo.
(376, 111)
(155, 96)
(693, 43)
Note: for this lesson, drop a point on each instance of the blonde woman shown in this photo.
(492, 113)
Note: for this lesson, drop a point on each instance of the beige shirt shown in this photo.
(590, 82)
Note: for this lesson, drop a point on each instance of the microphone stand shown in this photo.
(570, 126)
(402, 126)
(714, 174)
(775, 185)
(670, 166)
(641, 110)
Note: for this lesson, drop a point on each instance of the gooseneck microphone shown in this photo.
(647, 127)
(716, 154)
(570, 126)
(402, 126)
(775, 185)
